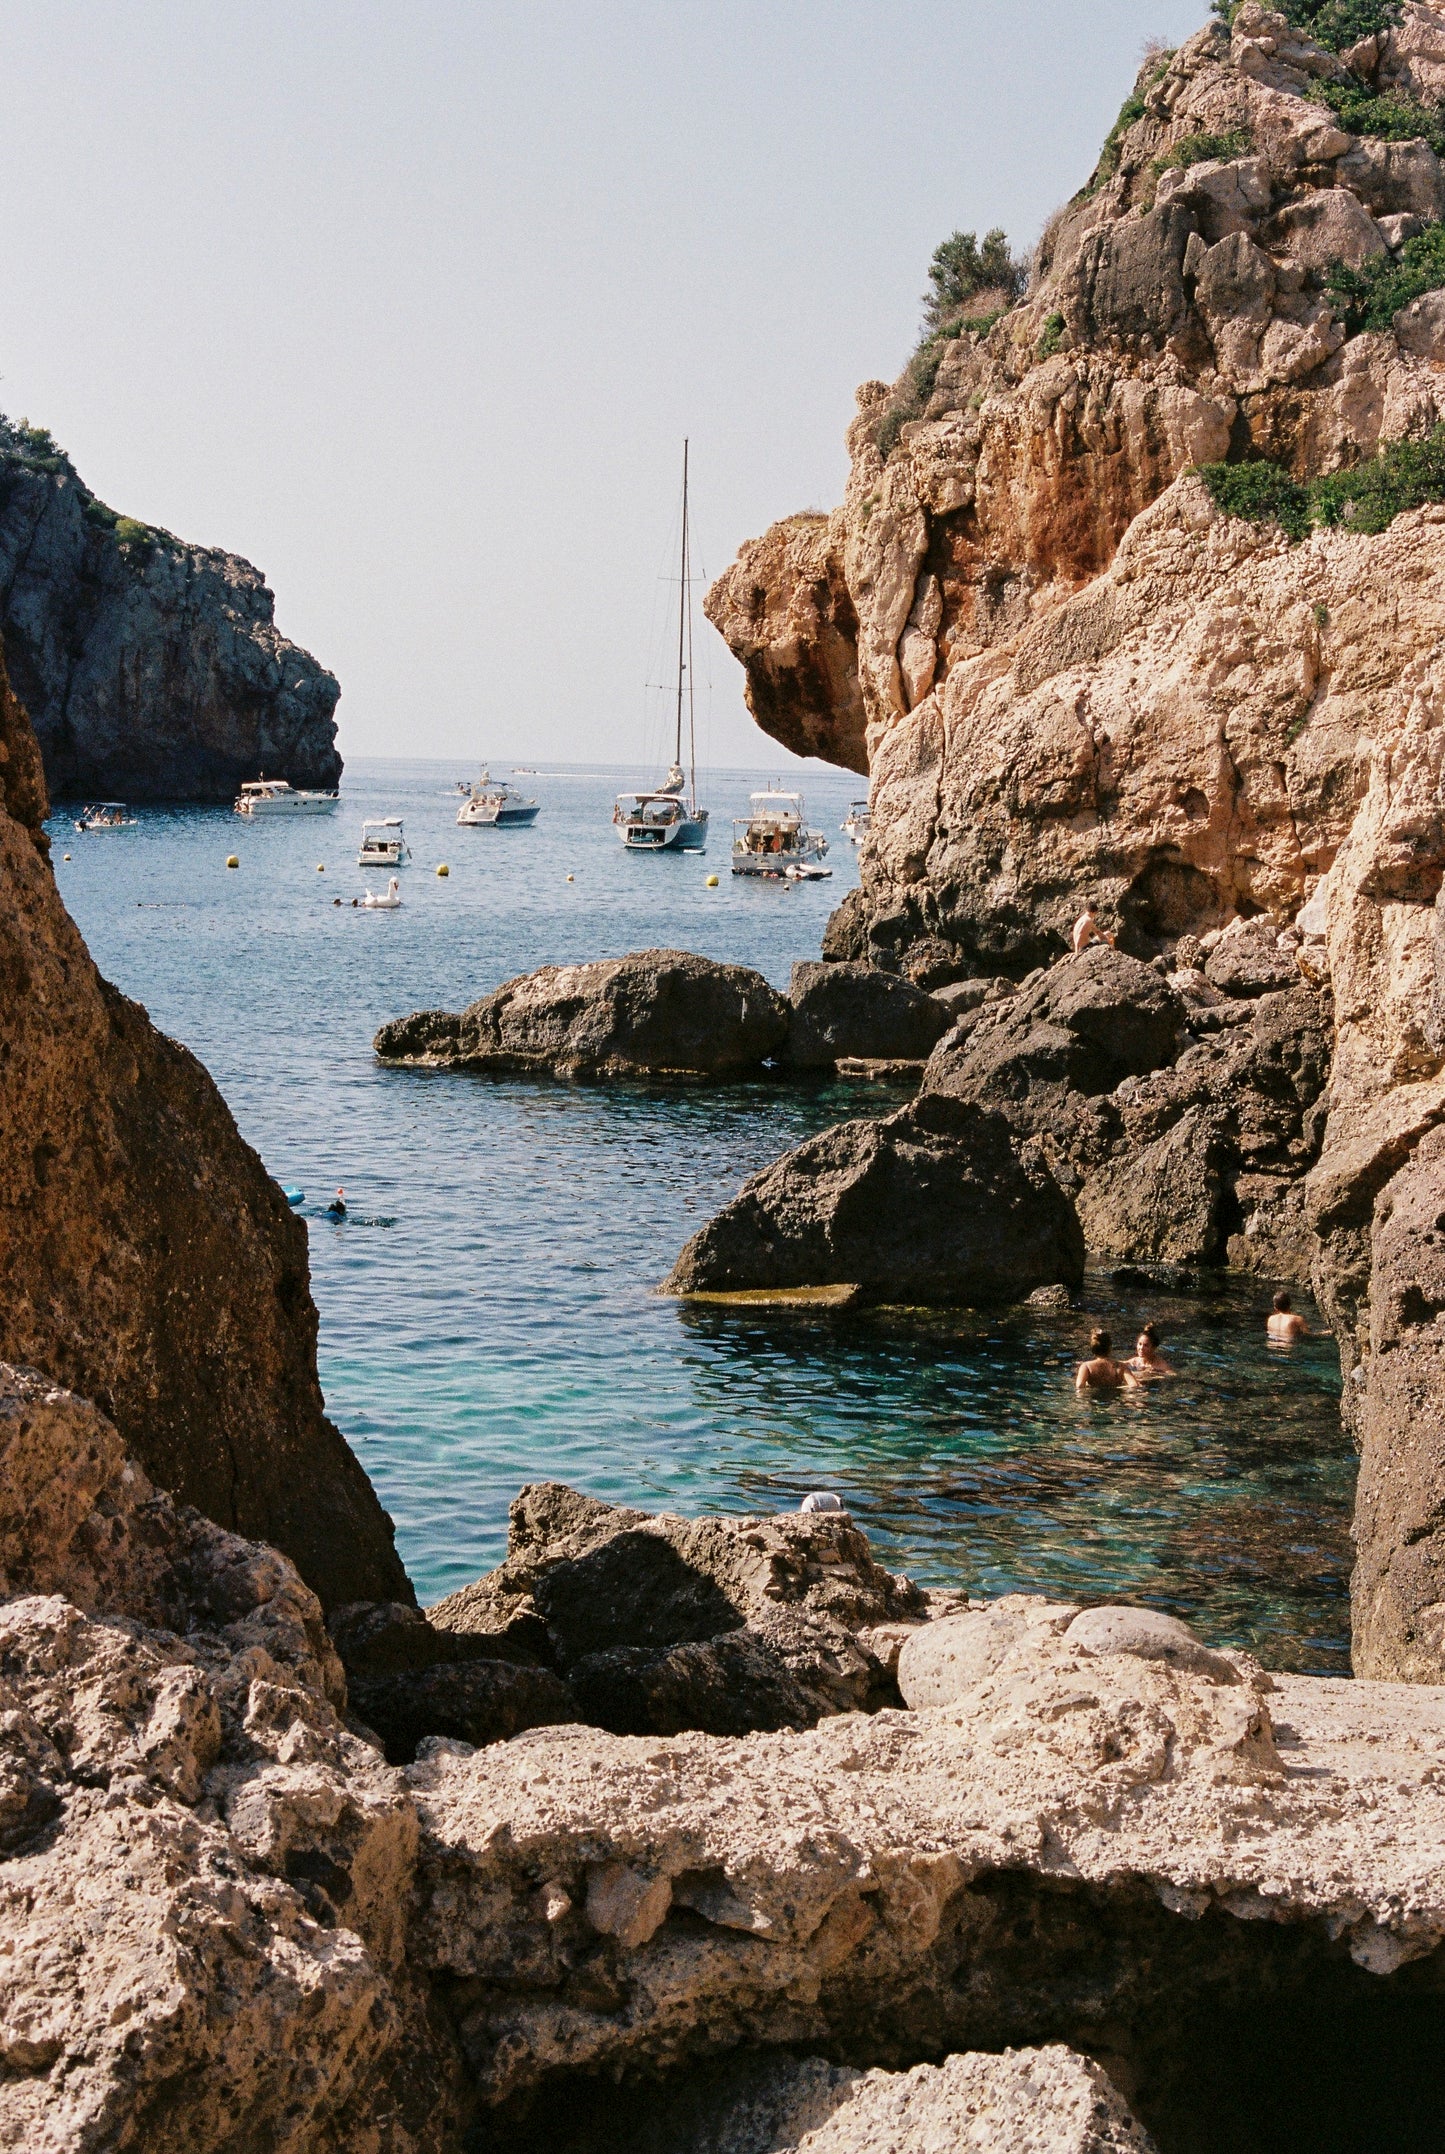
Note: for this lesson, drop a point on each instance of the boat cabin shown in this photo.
(383, 843)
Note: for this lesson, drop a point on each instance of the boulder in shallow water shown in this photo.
(935, 1203)
(656, 1013)
(846, 1010)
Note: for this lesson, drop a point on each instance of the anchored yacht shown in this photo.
(773, 839)
(273, 796)
(491, 805)
(668, 819)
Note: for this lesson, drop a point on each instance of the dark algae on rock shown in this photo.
(151, 669)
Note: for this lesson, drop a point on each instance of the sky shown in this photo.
(412, 305)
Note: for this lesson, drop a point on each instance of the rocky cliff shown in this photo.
(1149, 610)
(230, 1924)
(151, 669)
(146, 1256)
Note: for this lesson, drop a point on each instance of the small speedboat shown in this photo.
(857, 823)
(491, 806)
(106, 815)
(383, 844)
(386, 903)
(773, 839)
(273, 796)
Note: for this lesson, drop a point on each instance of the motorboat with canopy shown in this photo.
(490, 805)
(383, 844)
(273, 796)
(773, 839)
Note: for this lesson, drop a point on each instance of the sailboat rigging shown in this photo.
(668, 819)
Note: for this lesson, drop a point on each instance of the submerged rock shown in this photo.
(935, 1203)
(146, 1256)
(152, 669)
(657, 1013)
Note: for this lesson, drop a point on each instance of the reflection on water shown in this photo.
(496, 1321)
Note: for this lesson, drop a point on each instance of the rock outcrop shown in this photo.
(152, 669)
(229, 1921)
(146, 1257)
(658, 1624)
(1175, 315)
(205, 1874)
(842, 1010)
(935, 1203)
(654, 1014)
(1026, 2101)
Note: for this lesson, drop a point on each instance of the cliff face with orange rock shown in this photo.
(1076, 677)
(146, 1256)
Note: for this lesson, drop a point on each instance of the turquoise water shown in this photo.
(487, 1311)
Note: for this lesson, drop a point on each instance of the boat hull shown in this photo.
(300, 804)
(688, 836)
(504, 818)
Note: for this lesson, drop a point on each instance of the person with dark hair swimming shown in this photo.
(1285, 1325)
(1148, 1361)
(1101, 1372)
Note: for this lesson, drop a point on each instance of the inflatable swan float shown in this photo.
(388, 903)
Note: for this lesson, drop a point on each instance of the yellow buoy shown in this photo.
(232, 861)
(571, 878)
(444, 869)
(67, 856)
(712, 882)
(321, 867)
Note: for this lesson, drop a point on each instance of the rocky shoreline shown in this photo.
(713, 1835)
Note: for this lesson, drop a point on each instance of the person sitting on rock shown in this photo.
(1285, 1323)
(1087, 929)
(1148, 1361)
(1102, 1372)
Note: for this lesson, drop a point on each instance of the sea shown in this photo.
(489, 1306)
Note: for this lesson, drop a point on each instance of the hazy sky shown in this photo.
(413, 304)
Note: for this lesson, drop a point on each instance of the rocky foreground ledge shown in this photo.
(1076, 1861)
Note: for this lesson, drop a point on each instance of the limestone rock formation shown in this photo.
(205, 1874)
(146, 1257)
(934, 1203)
(842, 1010)
(656, 1013)
(658, 1624)
(1092, 1844)
(152, 670)
(1026, 2101)
(1175, 315)
(229, 1922)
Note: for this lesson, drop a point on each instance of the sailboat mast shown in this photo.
(681, 619)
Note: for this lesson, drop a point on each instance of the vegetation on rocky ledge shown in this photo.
(1337, 24)
(36, 449)
(1371, 296)
(1383, 114)
(1406, 475)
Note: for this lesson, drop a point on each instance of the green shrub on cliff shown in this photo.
(1368, 499)
(962, 268)
(1360, 111)
(1203, 149)
(1371, 297)
(1131, 112)
(1337, 24)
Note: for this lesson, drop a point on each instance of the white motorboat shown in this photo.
(668, 819)
(490, 805)
(273, 796)
(773, 839)
(857, 823)
(106, 815)
(383, 844)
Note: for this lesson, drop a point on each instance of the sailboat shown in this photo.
(668, 819)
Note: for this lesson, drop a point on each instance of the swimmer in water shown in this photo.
(337, 1207)
(1284, 1324)
(1102, 1372)
(1087, 929)
(1148, 1361)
